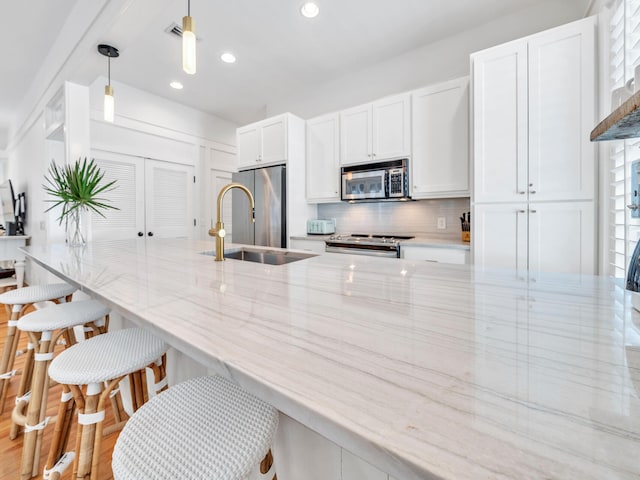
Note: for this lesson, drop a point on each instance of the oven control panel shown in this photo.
(396, 182)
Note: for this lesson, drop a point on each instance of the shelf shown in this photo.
(624, 122)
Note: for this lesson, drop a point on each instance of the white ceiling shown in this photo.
(278, 50)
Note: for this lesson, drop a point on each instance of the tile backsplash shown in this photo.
(397, 217)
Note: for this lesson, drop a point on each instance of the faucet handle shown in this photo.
(213, 232)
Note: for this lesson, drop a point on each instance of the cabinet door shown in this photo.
(316, 246)
(500, 123)
(561, 237)
(499, 236)
(248, 140)
(435, 254)
(391, 123)
(355, 135)
(274, 141)
(562, 113)
(440, 132)
(128, 197)
(323, 166)
(169, 189)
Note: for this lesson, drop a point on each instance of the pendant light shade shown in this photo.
(109, 104)
(188, 42)
(109, 101)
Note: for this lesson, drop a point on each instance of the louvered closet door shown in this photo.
(128, 196)
(169, 199)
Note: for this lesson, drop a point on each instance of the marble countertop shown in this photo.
(426, 370)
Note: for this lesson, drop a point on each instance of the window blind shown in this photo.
(624, 55)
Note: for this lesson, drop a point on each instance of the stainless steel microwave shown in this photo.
(376, 181)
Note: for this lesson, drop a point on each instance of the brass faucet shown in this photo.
(219, 232)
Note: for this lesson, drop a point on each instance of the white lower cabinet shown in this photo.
(301, 453)
(315, 246)
(354, 468)
(435, 254)
(555, 237)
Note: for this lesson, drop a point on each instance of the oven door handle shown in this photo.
(360, 251)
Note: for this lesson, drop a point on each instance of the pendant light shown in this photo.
(188, 42)
(109, 102)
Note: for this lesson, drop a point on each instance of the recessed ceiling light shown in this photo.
(228, 57)
(310, 10)
(176, 85)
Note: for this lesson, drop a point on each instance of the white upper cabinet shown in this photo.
(533, 111)
(376, 131)
(500, 123)
(391, 122)
(262, 143)
(355, 135)
(562, 113)
(440, 135)
(322, 159)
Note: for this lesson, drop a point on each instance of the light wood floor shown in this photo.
(10, 451)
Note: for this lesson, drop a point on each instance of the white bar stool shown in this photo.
(44, 328)
(89, 372)
(18, 300)
(206, 427)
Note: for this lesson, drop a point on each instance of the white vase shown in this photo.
(77, 227)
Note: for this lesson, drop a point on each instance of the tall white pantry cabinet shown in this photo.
(534, 193)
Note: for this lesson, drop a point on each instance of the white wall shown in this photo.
(143, 111)
(426, 65)
(147, 125)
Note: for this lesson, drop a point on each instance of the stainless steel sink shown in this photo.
(269, 257)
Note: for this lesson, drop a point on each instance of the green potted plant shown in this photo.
(77, 188)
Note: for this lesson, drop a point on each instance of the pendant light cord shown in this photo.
(109, 69)
(188, 8)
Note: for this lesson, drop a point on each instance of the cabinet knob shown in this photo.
(150, 234)
(533, 211)
(532, 191)
(522, 193)
(140, 234)
(521, 211)
(531, 184)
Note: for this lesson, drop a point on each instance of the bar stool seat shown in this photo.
(44, 328)
(100, 363)
(205, 427)
(17, 302)
(120, 353)
(66, 315)
(36, 293)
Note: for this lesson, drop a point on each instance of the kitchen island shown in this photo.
(424, 370)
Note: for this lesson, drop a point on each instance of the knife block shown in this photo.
(466, 236)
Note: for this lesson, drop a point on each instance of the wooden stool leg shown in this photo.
(35, 421)
(9, 353)
(26, 378)
(268, 468)
(87, 432)
(57, 459)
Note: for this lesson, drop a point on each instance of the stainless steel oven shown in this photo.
(366, 244)
(376, 181)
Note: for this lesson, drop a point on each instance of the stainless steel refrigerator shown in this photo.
(268, 186)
